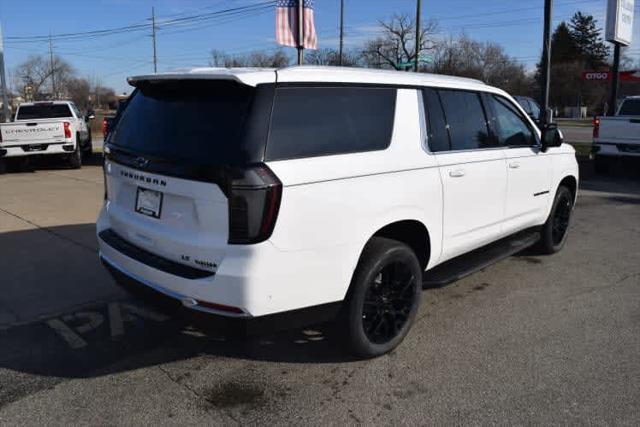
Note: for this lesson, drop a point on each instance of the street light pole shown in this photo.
(546, 61)
(341, 31)
(3, 80)
(418, 41)
(53, 70)
(613, 97)
(300, 32)
(153, 36)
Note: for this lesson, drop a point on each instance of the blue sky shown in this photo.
(515, 24)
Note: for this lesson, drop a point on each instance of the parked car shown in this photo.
(108, 121)
(47, 128)
(531, 107)
(321, 193)
(617, 136)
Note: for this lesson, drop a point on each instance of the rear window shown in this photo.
(630, 107)
(43, 111)
(320, 121)
(196, 122)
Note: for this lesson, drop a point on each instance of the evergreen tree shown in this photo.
(588, 40)
(563, 46)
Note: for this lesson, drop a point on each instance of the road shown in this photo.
(577, 133)
(530, 340)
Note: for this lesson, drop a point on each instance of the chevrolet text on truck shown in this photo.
(46, 128)
(330, 193)
(617, 136)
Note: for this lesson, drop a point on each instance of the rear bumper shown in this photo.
(37, 149)
(616, 149)
(245, 324)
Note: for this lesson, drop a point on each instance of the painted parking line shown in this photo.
(73, 326)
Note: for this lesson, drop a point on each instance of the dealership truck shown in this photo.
(617, 136)
(47, 128)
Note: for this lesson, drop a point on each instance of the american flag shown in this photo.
(287, 24)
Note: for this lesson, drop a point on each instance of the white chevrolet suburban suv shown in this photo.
(46, 128)
(262, 194)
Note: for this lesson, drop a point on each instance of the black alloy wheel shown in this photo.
(388, 302)
(383, 298)
(554, 231)
(560, 222)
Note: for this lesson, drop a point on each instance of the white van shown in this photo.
(334, 191)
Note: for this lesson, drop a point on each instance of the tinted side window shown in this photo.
(510, 127)
(308, 122)
(436, 123)
(466, 120)
(630, 107)
(535, 109)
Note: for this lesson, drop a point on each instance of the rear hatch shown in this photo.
(38, 123)
(41, 131)
(622, 129)
(180, 151)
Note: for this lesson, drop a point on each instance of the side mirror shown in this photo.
(551, 136)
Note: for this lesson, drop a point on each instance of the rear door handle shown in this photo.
(456, 173)
(514, 165)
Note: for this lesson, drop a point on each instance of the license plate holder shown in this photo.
(149, 202)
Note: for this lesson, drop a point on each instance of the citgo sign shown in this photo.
(625, 76)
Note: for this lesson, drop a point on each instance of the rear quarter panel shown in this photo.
(332, 205)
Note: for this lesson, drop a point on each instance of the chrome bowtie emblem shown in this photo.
(142, 162)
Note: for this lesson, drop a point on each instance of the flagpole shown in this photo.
(300, 32)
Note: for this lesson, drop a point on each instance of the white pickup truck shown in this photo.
(47, 128)
(617, 136)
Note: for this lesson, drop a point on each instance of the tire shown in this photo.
(555, 230)
(602, 165)
(75, 158)
(378, 313)
(3, 166)
(87, 150)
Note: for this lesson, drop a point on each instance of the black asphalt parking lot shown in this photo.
(530, 340)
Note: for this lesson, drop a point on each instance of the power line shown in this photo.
(85, 35)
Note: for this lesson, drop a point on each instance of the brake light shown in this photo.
(105, 128)
(254, 200)
(67, 130)
(596, 127)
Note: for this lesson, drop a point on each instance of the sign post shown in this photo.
(619, 31)
(546, 62)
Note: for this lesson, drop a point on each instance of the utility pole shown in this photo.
(546, 61)
(341, 31)
(418, 41)
(613, 97)
(3, 81)
(300, 32)
(153, 36)
(53, 69)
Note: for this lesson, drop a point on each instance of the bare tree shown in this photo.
(332, 57)
(484, 61)
(79, 91)
(276, 59)
(396, 45)
(33, 77)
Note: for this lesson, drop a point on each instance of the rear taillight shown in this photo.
(67, 130)
(596, 127)
(254, 199)
(105, 128)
